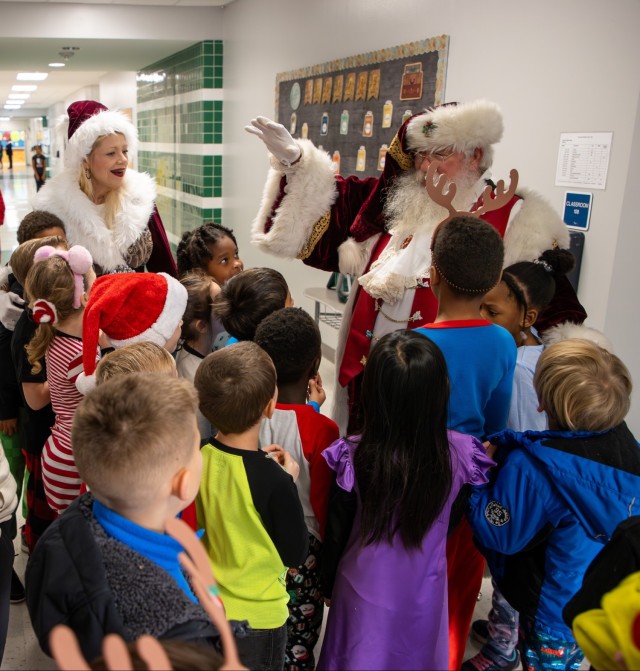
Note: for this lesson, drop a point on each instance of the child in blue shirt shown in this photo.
(466, 263)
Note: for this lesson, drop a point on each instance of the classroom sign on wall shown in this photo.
(577, 210)
(353, 107)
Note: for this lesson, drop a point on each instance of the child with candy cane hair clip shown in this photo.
(57, 286)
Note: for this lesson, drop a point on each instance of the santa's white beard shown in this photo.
(409, 208)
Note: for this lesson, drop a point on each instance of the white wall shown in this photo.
(553, 66)
(118, 91)
(109, 21)
(622, 320)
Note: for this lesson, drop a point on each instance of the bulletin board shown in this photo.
(353, 107)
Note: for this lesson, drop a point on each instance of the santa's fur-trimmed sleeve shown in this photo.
(309, 193)
(535, 228)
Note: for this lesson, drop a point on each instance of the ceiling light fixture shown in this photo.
(31, 76)
(56, 65)
(5, 118)
(24, 87)
(19, 96)
(12, 107)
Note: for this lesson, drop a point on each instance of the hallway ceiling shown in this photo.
(91, 60)
(145, 3)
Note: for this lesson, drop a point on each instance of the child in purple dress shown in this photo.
(385, 542)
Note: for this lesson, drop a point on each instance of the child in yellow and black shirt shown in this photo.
(248, 503)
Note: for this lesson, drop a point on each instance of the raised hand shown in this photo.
(277, 139)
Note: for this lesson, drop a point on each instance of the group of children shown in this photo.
(145, 398)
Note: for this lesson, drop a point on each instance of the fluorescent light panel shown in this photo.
(24, 87)
(32, 76)
(56, 65)
(19, 96)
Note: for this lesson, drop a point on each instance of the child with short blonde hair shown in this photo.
(116, 570)
(582, 387)
(139, 357)
(568, 488)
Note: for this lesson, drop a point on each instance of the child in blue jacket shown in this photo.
(558, 495)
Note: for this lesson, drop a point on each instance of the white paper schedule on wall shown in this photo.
(583, 160)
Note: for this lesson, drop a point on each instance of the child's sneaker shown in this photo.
(480, 631)
(17, 589)
(484, 662)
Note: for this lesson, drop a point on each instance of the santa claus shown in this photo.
(379, 229)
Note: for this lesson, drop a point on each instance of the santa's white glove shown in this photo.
(11, 308)
(277, 138)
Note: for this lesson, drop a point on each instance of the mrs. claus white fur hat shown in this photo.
(457, 126)
(89, 120)
(129, 308)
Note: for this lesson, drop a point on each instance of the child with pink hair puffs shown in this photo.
(57, 287)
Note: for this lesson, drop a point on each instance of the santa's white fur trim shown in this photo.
(103, 123)
(83, 220)
(461, 127)
(535, 228)
(353, 256)
(340, 409)
(569, 330)
(167, 322)
(309, 193)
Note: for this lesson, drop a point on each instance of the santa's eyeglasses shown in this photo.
(431, 156)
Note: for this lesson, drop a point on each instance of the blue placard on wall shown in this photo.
(577, 210)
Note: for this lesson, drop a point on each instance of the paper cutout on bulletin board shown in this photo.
(353, 107)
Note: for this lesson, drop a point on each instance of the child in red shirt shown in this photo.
(292, 339)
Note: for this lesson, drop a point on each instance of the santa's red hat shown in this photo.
(129, 308)
(89, 120)
(457, 126)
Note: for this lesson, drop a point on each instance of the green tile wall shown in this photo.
(194, 164)
(197, 175)
(178, 217)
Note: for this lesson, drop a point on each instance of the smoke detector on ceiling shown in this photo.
(68, 52)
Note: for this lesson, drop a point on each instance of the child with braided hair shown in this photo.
(525, 290)
(523, 293)
(56, 287)
(211, 248)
